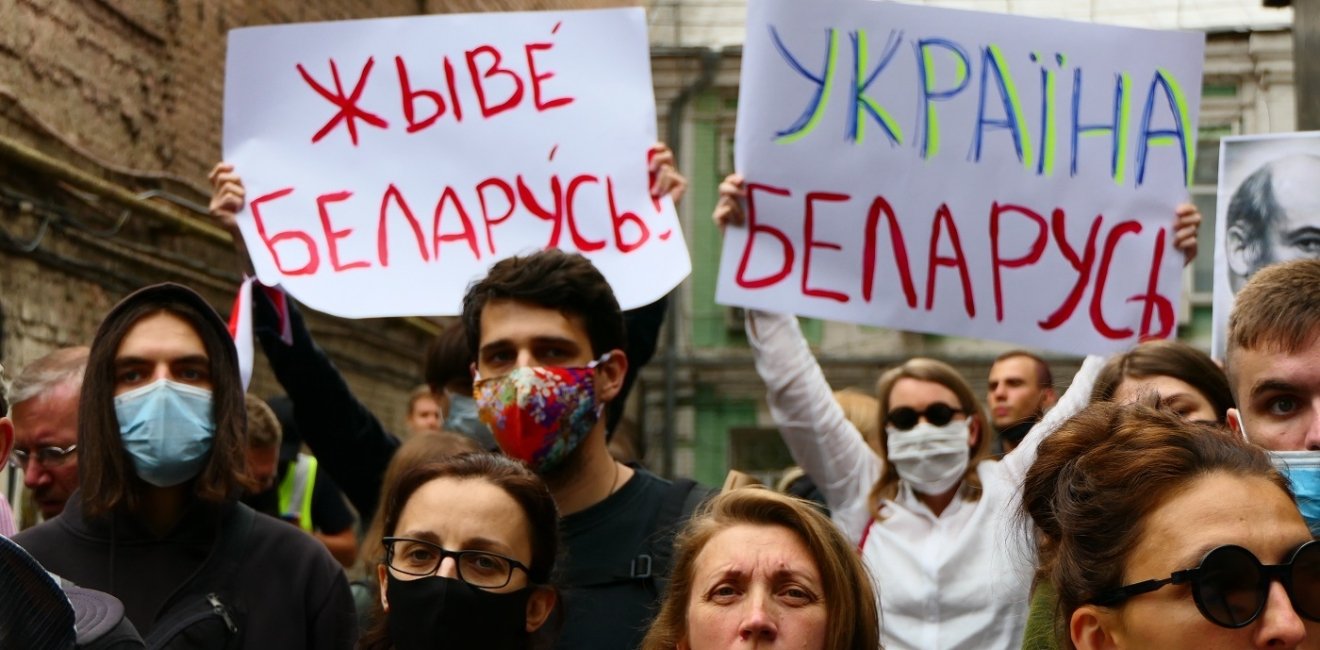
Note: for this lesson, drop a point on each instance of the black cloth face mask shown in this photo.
(439, 612)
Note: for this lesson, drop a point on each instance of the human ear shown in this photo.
(539, 606)
(1049, 397)
(610, 374)
(973, 433)
(1089, 629)
(380, 580)
(1233, 418)
(6, 437)
(1241, 253)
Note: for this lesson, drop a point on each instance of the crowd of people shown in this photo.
(1161, 501)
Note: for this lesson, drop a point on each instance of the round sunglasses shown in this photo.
(1230, 586)
(906, 417)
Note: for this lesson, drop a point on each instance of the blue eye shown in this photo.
(1284, 405)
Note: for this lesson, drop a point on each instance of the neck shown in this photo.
(592, 479)
(160, 508)
(938, 502)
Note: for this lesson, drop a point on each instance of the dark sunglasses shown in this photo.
(906, 417)
(1230, 586)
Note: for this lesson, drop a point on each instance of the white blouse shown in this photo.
(961, 580)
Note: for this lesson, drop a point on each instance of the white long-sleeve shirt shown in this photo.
(957, 581)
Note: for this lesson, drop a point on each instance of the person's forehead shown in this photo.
(516, 320)
(162, 328)
(485, 510)
(1293, 181)
(1250, 367)
(50, 417)
(1015, 366)
(909, 391)
(1213, 510)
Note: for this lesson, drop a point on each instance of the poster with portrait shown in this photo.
(1267, 211)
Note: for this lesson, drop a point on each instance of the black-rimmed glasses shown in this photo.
(46, 456)
(482, 569)
(1231, 586)
(906, 417)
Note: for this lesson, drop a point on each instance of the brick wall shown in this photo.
(131, 93)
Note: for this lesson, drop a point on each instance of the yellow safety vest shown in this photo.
(296, 491)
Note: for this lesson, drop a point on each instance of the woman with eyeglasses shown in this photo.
(469, 548)
(1164, 533)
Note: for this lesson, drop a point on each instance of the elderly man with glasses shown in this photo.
(42, 421)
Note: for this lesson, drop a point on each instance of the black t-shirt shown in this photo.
(330, 515)
(610, 534)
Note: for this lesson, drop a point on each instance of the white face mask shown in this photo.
(931, 459)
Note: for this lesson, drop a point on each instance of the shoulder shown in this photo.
(49, 535)
(993, 476)
(648, 482)
(278, 545)
(682, 494)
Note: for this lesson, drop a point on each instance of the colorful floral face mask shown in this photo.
(539, 415)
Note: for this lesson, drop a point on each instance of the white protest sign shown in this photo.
(1267, 211)
(390, 162)
(962, 173)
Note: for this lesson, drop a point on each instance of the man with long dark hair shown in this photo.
(156, 521)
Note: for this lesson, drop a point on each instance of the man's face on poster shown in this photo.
(1274, 216)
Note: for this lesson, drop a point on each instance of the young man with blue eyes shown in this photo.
(1273, 359)
(548, 338)
(1273, 369)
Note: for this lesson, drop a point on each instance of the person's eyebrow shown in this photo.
(554, 340)
(1193, 559)
(1269, 385)
(726, 574)
(498, 344)
(421, 536)
(487, 544)
(135, 360)
(1305, 230)
(799, 576)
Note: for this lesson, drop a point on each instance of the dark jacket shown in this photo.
(349, 442)
(285, 590)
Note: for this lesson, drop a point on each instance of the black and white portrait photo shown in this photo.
(1268, 211)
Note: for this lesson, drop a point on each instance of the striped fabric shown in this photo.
(34, 613)
(7, 528)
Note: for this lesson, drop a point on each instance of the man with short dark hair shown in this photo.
(548, 338)
(448, 370)
(43, 422)
(156, 521)
(1273, 216)
(1020, 390)
(1273, 361)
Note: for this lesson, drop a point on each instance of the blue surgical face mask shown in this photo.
(167, 429)
(462, 417)
(1303, 470)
